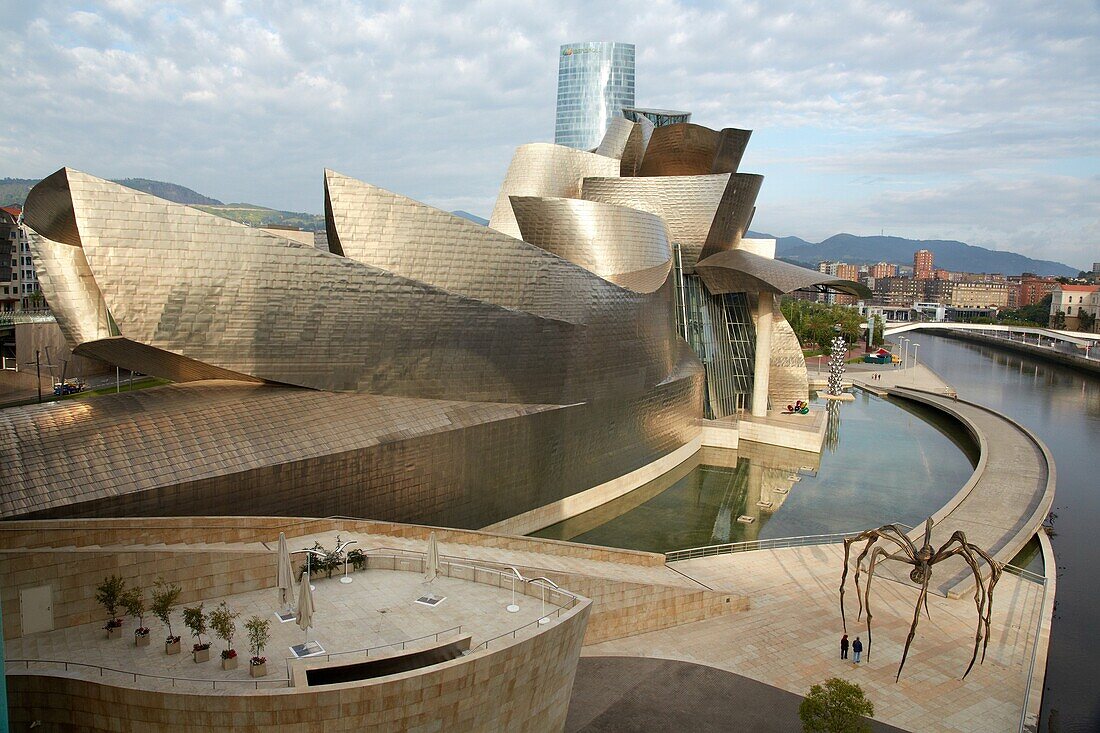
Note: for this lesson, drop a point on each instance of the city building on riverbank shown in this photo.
(1075, 307)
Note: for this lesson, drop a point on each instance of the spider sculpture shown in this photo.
(922, 559)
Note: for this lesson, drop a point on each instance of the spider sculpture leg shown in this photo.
(872, 536)
(878, 554)
(983, 596)
(921, 599)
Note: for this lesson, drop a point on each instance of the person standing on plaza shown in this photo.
(857, 649)
(844, 647)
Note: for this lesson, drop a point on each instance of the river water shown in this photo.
(883, 462)
(1062, 407)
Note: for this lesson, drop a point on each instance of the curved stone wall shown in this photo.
(521, 684)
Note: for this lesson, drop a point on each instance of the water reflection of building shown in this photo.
(698, 504)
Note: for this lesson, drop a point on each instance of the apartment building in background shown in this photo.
(922, 265)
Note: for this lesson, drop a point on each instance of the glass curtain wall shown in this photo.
(595, 83)
(719, 329)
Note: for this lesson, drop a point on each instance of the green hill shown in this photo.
(15, 190)
(258, 216)
(171, 191)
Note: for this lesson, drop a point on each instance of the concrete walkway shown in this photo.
(877, 378)
(1006, 500)
(632, 694)
(789, 636)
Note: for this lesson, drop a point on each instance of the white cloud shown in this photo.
(250, 100)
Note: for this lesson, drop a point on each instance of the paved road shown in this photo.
(644, 694)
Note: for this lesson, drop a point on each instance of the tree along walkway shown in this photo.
(1006, 500)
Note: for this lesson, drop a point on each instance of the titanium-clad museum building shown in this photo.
(424, 368)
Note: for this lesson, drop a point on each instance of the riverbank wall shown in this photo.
(1092, 366)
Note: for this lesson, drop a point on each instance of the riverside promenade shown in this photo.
(788, 636)
(1004, 503)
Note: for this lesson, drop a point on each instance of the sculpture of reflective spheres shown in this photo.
(423, 368)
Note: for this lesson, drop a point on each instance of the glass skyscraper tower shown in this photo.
(595, 82)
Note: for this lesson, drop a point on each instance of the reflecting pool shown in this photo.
(884, 461)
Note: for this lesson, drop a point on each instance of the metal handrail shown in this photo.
(1034, 653)
(367, 650)
(760, 544)
(807, 541)
(29, 315)
(557, 614)
(277, 682)
(397, 553)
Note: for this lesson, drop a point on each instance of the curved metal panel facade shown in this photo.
(417, 241)
(740, 271)
(607, 240)
(423, 368)
(75, 299)
(615, 139)
(635, 147)
(541, 169)
(688, 204)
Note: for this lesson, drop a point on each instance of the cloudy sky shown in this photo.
(956, 120)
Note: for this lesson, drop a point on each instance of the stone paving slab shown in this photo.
(789, 639)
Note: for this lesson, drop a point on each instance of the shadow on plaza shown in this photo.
(643, 694)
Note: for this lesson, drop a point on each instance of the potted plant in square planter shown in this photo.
(164, 601)
(223, 623)
(195, 619)
(259, 633)
(133, 600)
(109, 595)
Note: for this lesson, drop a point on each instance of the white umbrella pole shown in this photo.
(543, 619)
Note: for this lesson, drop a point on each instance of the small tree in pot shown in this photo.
(259, 633)
(223, 622)
(164, 600)
(133, 600)
(109, 595)
(195, 620)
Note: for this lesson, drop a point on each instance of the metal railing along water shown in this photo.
(761, 544)
(28, 315)
(807, 541)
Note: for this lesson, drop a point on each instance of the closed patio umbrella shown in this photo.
(305, 615)
(431, 565)
(286, 575)
(305, 605)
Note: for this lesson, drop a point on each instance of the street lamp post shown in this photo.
(905, 353)
(915, 347)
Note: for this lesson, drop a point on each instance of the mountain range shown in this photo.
(948, 254)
